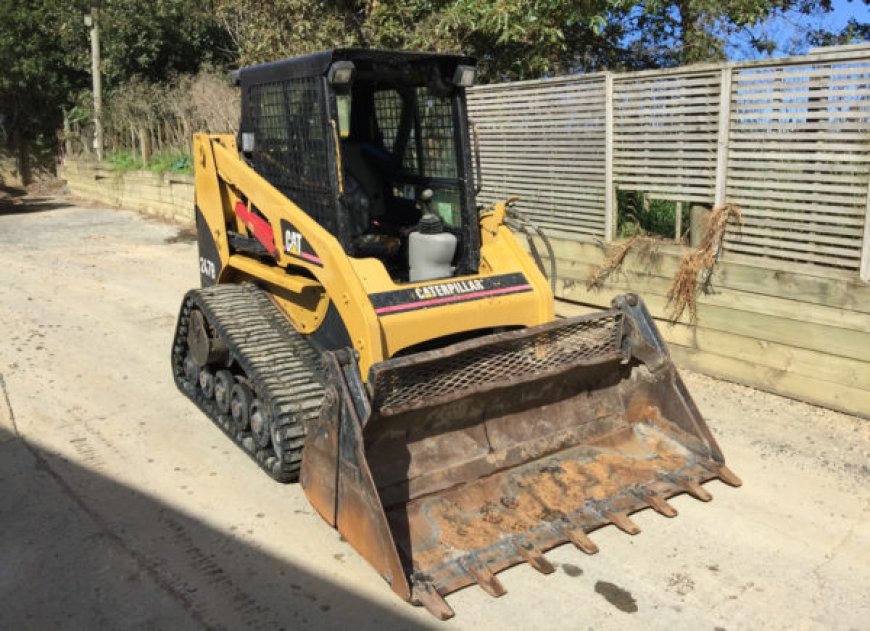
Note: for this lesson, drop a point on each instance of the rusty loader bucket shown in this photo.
(452, 465)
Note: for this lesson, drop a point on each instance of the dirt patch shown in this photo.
(572, 570)
(616, 596)
(186, 234)
(681, 583)
(48, 187)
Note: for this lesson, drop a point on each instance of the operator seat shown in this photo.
(363, 188)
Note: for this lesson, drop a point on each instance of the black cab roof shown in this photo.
(317, 64)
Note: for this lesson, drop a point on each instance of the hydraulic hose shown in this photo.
(520, 222)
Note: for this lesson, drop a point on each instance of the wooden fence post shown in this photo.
(678, 221)
(722, 137)
(609, 196)
(865, 248)
(145, 144)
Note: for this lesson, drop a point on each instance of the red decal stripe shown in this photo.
(448, 299)
(260, 227)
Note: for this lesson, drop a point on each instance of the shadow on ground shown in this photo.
(81, 551)
(17, 201)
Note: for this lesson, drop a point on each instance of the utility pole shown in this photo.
(93, 22)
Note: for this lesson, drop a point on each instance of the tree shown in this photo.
(158, 39)
(41, 69)
(671, 33)
(45, 56)
(512, 38)
(516, 39)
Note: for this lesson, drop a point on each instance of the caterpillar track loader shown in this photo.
(365, 327)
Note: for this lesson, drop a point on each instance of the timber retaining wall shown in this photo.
(796, 330)
(166, 195)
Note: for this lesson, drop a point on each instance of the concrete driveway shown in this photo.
(122, 507)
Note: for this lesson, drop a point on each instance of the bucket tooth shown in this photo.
(623, 522)
(433, 601)
(581, 540)
(728, 477)
(485, 578)
(695, 490)
(535, 559)
(660, 505)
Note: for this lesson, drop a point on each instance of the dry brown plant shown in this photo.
(643, 245)
(682, 294)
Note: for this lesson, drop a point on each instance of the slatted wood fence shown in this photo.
(545, 141)
(788, 140)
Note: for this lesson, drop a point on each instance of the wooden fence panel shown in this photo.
(798, 161)
(668, 121)
(545, 141)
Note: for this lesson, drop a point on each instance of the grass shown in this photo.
(160, 162)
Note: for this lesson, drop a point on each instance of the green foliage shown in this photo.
(512, 38)
(159, 38)
(41, 66)
(161, 162)
(676, 32)
(853, 31)
(45, 56)
(124, 160)
(659, 219)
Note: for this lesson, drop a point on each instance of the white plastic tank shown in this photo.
(430, 250)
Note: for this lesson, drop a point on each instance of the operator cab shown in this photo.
(367, 142)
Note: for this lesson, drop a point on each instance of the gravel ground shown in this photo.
(123, 508)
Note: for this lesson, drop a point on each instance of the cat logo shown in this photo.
(292, 242)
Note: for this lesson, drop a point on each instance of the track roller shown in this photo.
(240, 406)
(239, 359)
(223, 385)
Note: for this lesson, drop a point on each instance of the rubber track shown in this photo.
(281, 367)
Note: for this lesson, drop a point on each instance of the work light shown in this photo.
(463, 76)
(341, 72)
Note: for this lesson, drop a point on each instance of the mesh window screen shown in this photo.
(436, 125)
(388, 110)
(292, 147)
(434, 119)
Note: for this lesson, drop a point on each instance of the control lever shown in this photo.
(426, 200)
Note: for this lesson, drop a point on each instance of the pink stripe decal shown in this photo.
(448, 299)
(310, 257)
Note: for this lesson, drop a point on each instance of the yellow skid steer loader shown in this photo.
(365, 327)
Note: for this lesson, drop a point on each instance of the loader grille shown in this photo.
(421, 379)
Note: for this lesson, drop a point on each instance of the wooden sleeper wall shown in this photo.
(802, 333)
